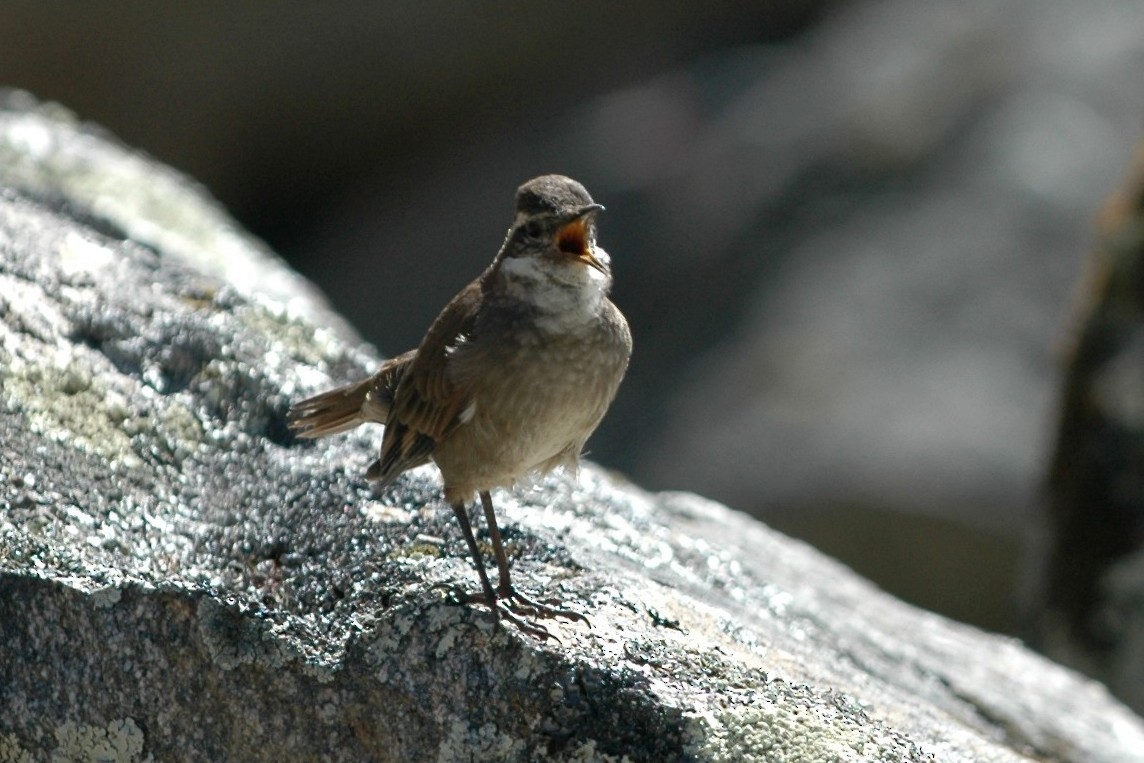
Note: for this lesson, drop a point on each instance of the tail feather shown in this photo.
(343, 408)
(337, 410)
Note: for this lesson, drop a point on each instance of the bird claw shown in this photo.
(535, 630)
(520, 604)
(519, 610)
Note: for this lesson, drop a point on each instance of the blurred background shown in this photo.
(848, 235)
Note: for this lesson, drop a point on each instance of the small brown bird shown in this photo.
(510, 380)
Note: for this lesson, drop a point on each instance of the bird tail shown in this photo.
(334, 411)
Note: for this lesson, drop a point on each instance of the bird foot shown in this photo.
(521, 611)
(520, 604)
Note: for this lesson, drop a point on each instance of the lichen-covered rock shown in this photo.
(180, 580)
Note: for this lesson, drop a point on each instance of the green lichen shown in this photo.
(296, 339)
(65, 401)
(11, 751)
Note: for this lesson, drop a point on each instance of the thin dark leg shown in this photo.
(466, 528)
(489, 596)
(508, 596)
(504, 585)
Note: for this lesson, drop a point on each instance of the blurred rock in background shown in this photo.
(846, 234)
(1086, 603)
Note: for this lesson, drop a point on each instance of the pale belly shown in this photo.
(533, 413)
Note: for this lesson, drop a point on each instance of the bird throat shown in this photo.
(566, 294)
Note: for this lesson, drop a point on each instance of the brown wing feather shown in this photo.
(427, 404)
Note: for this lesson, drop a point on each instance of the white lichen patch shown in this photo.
(80, 255)
(27, 141)
(106, 597)
(486, 742)
(27, 310)
(120, 741)
(586, 752)
(780, 731)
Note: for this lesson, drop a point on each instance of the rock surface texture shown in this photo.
(180, 580)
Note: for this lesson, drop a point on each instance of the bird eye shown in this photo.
(532, 229)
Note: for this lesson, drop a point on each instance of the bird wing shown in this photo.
(426, 402)
(383, 387)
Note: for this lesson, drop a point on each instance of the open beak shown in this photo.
(572, 237)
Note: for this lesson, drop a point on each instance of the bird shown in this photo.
(509, 381)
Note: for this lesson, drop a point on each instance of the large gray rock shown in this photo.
(180, 580)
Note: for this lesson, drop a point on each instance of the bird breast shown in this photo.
(535, 395)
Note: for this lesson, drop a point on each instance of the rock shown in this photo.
(1088, 606)
(180, 579)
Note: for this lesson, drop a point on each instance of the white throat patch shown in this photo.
(567, 295)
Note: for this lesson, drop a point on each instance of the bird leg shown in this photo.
(515, 601)
(490, 596)
(504, 601)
